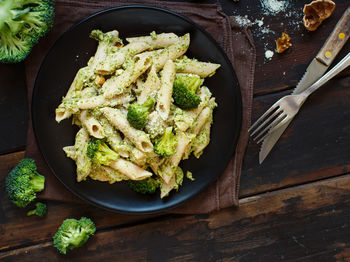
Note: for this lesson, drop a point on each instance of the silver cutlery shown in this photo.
(315, 70)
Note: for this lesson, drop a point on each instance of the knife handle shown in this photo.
(336, 40)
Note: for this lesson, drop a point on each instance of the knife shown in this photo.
(314, 71)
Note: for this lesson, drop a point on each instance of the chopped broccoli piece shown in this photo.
(182, 119)
(153, 35)
(179, 177)
(110, 38)
(100, 153)
(145, 186)
(73, 233)
(22, 24)
(138, 114)
(166, 145)
(23, 182)
(40, 210)
(184, 90)
(189, 175)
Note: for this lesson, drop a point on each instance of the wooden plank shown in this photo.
(327, 157)
(285, 70)
(16, 229)
(8, 161)
(303, 223)
(315, 146)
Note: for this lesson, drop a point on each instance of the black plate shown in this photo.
(72, 51)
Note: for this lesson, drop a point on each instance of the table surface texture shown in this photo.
(293, 207)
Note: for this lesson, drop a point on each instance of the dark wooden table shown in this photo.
(293, 207)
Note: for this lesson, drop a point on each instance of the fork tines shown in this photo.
(268, 121)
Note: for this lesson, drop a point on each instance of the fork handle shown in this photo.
(344, 63)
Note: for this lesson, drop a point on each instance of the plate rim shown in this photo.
(239, 114)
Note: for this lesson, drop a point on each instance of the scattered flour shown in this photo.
(242, 20)
(291, 18)
(268, 54)
(273, 7)
(259, 30)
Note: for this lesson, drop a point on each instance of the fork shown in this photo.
(288, 106)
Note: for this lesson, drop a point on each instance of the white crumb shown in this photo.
(242, 20)
(269, 54)
(258, 22)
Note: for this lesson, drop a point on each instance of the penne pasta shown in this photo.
(172, 52)
(135, 83)
(103, 49)
(192, 66)
(102, 101)
(62, 112)
(168, 170)
(183, 119)
(70, 152)
(91, 124)
(155, 41)
(82, 160)
(114, 175)
(166, 187)
(130, 170)
(150, 87)
(201, 136)
(202, 118)
(166, 90)
(113, 138)
(100, 174)
(139, 138)
(116, 85)
(115, 59)
(202, 140)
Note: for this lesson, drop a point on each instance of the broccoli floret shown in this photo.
(184, 91)
(145, 186)
(100, 153)
(23, 182)
(191, 81)
(22, 24)
(138, 114)
(73, 233)
(40, 210)
(166, 145)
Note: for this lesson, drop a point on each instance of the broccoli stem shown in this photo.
(31, 212)
(74, 238)
(38, 182)
(5, 14)
(149, 103)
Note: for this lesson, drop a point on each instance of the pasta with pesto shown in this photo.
(141, 108)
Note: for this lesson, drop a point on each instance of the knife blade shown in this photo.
(314, 71)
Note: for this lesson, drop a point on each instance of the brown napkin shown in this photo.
(236, 41)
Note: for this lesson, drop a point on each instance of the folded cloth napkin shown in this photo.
(236, 41)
